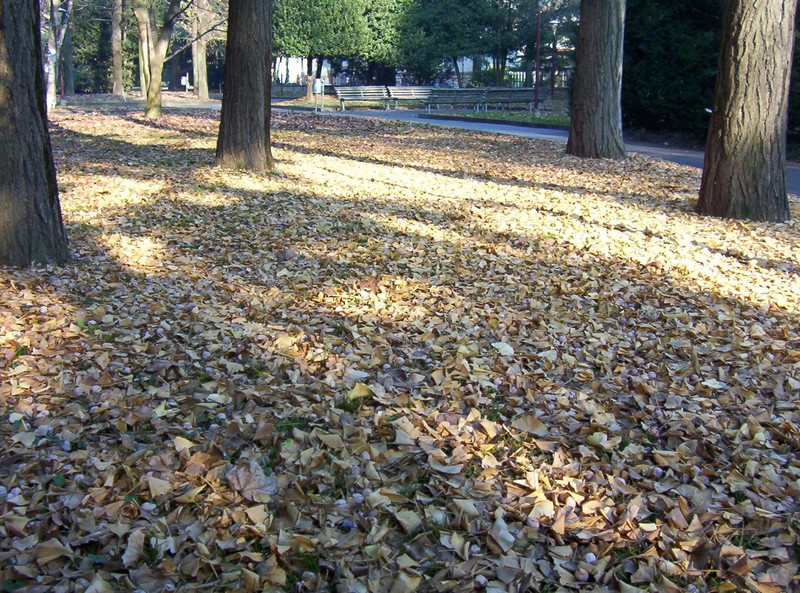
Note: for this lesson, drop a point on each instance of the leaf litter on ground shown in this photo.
(411, 359)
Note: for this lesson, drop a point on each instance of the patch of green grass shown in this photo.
(301, 562)
(747, 540)
(351, 404)
(287, 426)
(511, 117)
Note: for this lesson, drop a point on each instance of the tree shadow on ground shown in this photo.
(277, 294)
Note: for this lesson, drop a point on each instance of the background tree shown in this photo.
(153, 44)
(381, 51)
(744, 174)
(244, 130)
(117, 41)
(437, 31)
(31, 228)
(55, 23)
(66, 65)
(671, 53)
(504, 22)
(200, 27)
(596, 116)
(319, 30)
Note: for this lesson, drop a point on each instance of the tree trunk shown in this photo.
(143, 71)
(458, 73)
(596, 117)
(55, 31)
(51, 56)
(744, 174)
(153, 46)
(320, 64)
(116, 47)
(31, 228)
(244, 130)
(554, 64)
(199, 53)
(67, 72)
(309, 78)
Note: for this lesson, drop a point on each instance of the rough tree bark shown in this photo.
(153, 44)
(244, 130)
(745, 167)
(596, 115)
(31, 228)
(116, 47)
(199, 53)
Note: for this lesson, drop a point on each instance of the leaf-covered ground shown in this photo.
(413, 359)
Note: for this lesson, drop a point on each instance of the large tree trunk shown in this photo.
(199, 62)
(744, 174)
(31, 228)
(596, 116)
(244, 131)
(116, 47)
(153, 46)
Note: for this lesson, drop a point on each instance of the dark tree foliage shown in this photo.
(670, 64)
(91, 39)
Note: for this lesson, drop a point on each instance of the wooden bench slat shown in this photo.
(474, 97)
(508, 96)
(409, 93)
(362, 93)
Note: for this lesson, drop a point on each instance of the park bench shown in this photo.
(362, 93)
(499, 96)
(466, 97)
(409, 93)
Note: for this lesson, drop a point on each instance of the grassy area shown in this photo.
(510, 116)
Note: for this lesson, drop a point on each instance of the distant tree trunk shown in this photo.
(116, 47)
(58, 14)
(244, 131)
(67, 73)
(528, 64)
(320, 64)
(458, 72)
(142, 74)
(199, 53)
(596, 116)
(745, 167)
(153, 49)
(31, 228)
(309, 78)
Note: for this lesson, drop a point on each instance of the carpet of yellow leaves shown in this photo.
(409, 360)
